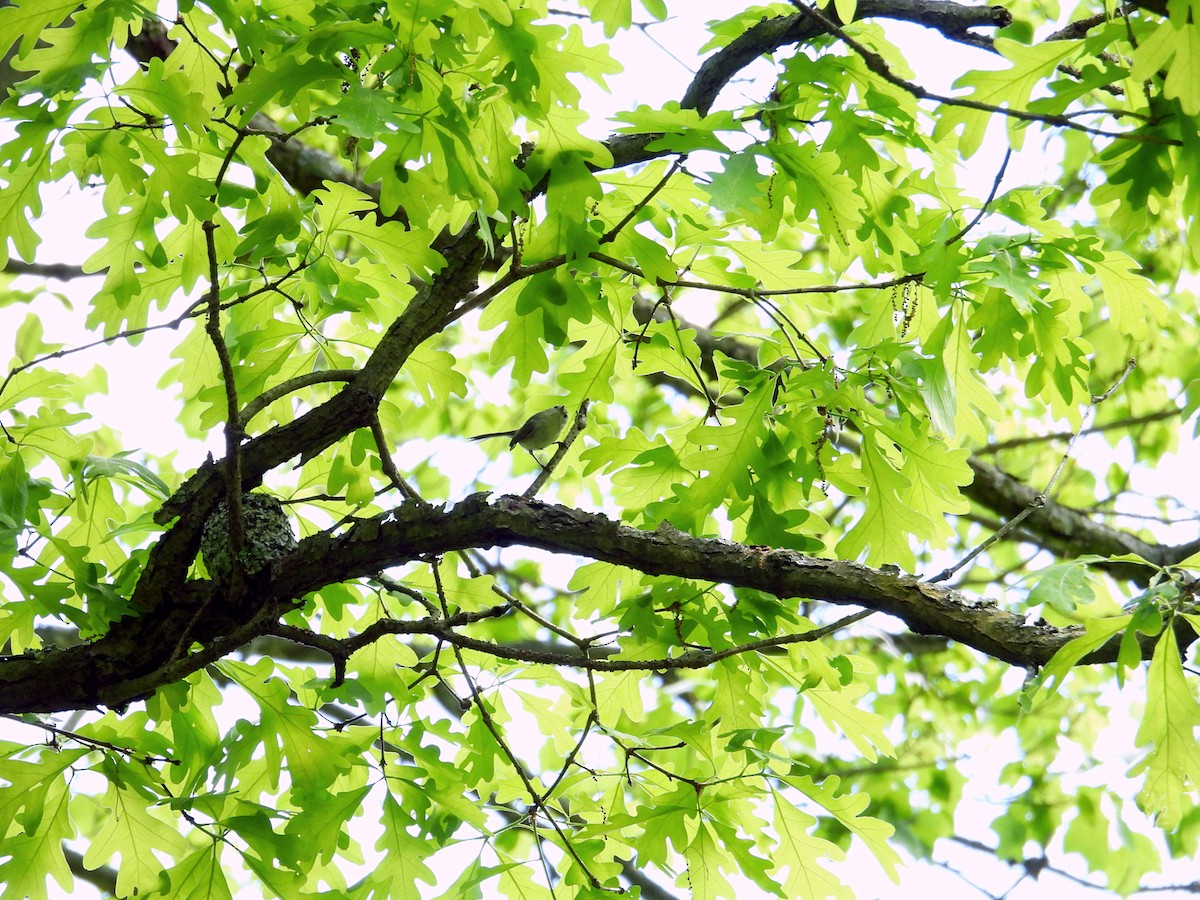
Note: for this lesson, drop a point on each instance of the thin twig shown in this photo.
(611, 234)
(398, 587)
(59, 271)
(91, 742)
(664, 303)
(388, 464)
(195, 310)
(757, 293)
(443, 628)
(1040, 500)
(1132, 421)
(234, 430)
(233, 426)
(518, 271)
(768, 306)
(986, 203)
(537, 800)
(592, 719)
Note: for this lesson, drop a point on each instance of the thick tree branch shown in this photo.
(59, 271)
(925, 608)
(1160, 415)
(130, 662)
(1065, 531)
(950, 18)
(103, 878)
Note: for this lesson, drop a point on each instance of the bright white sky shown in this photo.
(660, 63)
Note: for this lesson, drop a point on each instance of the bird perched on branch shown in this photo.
(540, 430)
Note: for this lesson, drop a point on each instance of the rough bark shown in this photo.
(141, 653)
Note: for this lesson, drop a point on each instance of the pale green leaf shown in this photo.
(1171, 768)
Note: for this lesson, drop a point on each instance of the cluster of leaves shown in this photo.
(794, 330)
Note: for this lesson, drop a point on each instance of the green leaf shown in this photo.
(312, 760)
(1171, 768)
(682, 130)
(1097, 632)
(1173, 47)
(342, 209)
(706, 858)
(839, 709)
(117, 466)
(25, 21)
(847, 808)
(903, 500)
(199, 876)
(1131, 302)
(37, 851)
(133, 829)
(1064, 586)
(1010, 88)
(20, 204)
(801, 854)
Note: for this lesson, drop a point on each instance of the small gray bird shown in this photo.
(540, 430)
